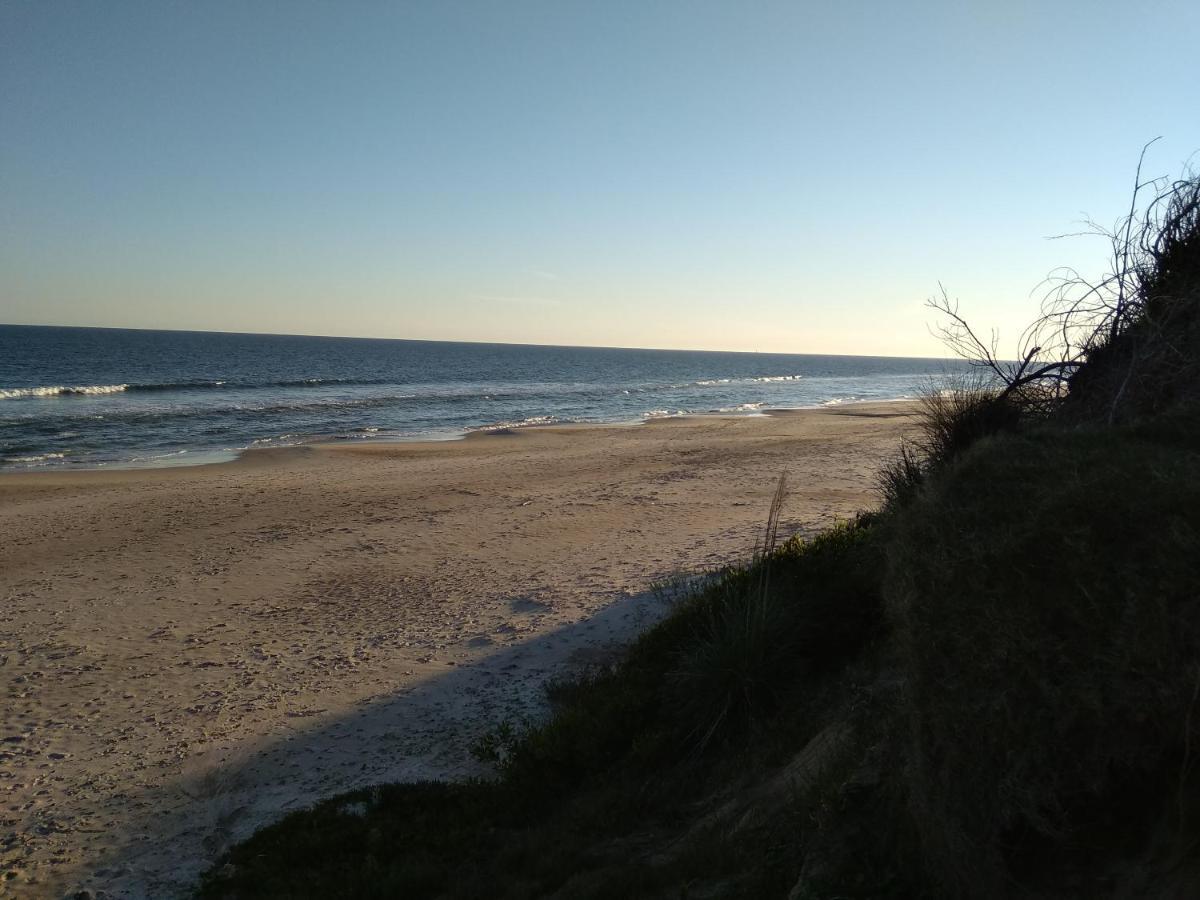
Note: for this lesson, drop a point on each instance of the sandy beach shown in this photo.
(188, 653)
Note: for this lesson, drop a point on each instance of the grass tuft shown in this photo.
(953, 418)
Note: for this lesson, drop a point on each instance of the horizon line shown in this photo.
(343, 337)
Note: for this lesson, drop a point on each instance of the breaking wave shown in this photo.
(756, 379)
(527, 422)
(40, 459)
(664, 413)
(58, 390)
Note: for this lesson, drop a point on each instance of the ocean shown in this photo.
(99, 397)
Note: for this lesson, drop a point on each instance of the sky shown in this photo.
(766, 176)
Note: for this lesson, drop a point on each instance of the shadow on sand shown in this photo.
(423, 731)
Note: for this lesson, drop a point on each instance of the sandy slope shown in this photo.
(187, 653)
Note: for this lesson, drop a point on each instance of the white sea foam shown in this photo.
(521, 423)
(33, 460)
(281, 440)
(743, 407)
(758, 379)
(860, 398)
(59, 390)
(663, 413)
(156, 456)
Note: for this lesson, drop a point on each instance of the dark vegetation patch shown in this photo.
(1045, 595)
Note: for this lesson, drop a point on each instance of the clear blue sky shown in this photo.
(739, 175)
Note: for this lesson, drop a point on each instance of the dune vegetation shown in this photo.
(989, 687)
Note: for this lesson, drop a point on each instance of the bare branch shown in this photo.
(1079, 315)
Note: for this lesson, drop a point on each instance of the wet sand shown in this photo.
(188, 653)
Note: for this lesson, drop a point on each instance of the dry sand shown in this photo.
(186, 654)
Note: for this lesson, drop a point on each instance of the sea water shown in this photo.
(90, 397)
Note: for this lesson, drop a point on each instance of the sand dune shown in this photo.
(188, 653)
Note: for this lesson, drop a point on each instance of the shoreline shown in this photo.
(234, 455)
(195, 651)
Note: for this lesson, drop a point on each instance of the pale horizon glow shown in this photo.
(774, 177)
(943, 355)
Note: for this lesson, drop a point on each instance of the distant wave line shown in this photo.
(58, 390)
(98, 390)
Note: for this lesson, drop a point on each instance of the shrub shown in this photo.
(952, 419)
(807, 607)
(1151, 365)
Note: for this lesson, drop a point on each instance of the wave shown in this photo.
(664, 413)
(33, 460)
(448, 392)
(58, 390)
(741, 407)
(527, 422)
(750, 379)
(281, 440)
(867, 398)
(67, 417)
